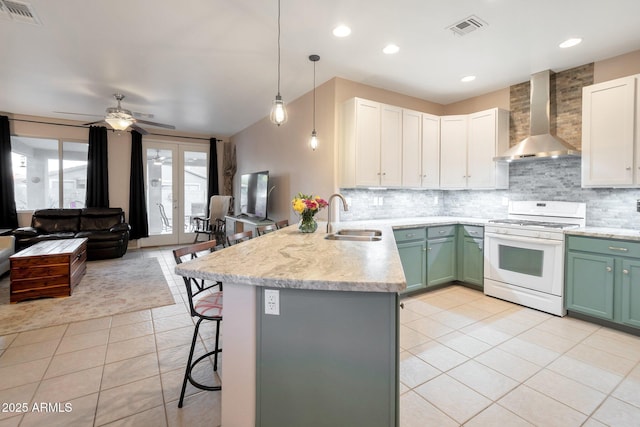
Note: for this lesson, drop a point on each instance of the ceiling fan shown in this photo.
(121, 119)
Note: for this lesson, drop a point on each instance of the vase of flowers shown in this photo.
(307, 206)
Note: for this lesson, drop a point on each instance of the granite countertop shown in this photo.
(605, 232)
(289, 259)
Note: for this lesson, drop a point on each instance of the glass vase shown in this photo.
(308, 224)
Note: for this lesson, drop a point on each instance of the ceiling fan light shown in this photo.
(118, 123)
(278, 114)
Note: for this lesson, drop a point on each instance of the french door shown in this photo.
(176, 190)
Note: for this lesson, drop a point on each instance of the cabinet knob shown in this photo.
(628, 168)
(479, 247)
(428, 249)
(384, 173)
(616, 248)
(442, 231)
(608, 268)
(625, 271)
(379, 174)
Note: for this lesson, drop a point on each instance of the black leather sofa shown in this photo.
(106, 229)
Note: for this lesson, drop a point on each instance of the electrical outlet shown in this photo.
(272, 302)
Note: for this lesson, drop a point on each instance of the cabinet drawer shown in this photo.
(408, 234)
(441, 231)
(473, 231)
(604, 246)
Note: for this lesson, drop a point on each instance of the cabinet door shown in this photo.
(411, 148)
(430, 151)
(630, 313)
(472, 261)
(589, 284)
(391, 146)
(481, 149)
(453, 152)
(441, 260)
(412, 255)
(367, 134)
(608, 111)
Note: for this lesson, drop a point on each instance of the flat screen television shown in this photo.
(254, 192)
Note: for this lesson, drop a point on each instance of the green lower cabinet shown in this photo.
(590, 284)
(414, 264)
(441, 261)
(631, 293)
(603, 279)
(472, 261)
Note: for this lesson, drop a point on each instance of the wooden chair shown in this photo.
(264, 229)
(239, 237)
(207, 306)
(282, 224)
(214, 225)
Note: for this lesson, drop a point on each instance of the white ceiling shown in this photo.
(209, 66)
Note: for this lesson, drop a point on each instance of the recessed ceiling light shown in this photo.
(391, 49)
(570, 43)
(341, 31)
(466, 79)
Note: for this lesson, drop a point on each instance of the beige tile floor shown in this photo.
(466, 359)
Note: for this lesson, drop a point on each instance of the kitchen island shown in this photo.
(330, 354)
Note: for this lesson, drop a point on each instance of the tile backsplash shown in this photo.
(548, 179)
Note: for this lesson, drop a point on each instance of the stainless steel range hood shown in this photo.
(540, 143)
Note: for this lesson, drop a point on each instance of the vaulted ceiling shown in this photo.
(209, 66)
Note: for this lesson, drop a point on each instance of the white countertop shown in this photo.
(606, 232)
(290, 259)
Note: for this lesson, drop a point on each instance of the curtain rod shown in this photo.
(112, 130)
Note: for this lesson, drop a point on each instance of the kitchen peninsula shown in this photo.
(330, 355)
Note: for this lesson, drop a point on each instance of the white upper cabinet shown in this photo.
(390, 146)
(453, 151)
(387, 146)
(430, 151)
(371, 146)
(610, 134)
(488, 138)
(468, 144)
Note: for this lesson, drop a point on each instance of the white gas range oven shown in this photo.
(524, 253)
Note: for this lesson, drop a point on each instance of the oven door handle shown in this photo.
(522, 239)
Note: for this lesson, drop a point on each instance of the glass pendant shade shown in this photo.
(278, 111)
(118, 123)
(314, 140)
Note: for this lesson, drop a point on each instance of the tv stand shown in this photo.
(243, 222)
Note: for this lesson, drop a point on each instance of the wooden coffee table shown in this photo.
(47, 269)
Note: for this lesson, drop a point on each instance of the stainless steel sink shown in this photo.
(357, 232)
(356, 235)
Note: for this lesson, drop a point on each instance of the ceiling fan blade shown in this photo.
(160, 125)
(138, 129)
(79, 114)
(93, 123)
(141, 115)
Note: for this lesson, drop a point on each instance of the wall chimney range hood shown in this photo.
(540, 143)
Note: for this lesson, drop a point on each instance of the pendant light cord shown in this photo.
(278, 47)
(314, 95)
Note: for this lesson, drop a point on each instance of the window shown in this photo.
(48, 173)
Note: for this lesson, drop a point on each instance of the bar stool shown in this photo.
(206, 307)
(264, 229)
(239, 237)
(282, 224)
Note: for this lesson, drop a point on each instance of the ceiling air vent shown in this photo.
(467, 25)
(19, 11)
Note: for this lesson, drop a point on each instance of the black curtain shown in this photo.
(97, 169)
(8, 214)
(137, 200)
(213, 171)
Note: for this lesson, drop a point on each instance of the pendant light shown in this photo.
(278, 111)
(314, 136)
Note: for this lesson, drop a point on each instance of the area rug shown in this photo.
(108, 287)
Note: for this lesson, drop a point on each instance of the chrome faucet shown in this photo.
(344, 203)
